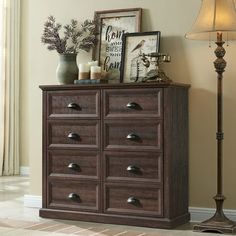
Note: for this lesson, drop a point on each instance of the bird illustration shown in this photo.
(139, 45)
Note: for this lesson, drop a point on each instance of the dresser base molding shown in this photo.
(198, 214)
(115, 219)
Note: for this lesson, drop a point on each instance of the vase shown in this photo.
(67, 69)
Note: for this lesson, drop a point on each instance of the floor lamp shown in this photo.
(217, 21)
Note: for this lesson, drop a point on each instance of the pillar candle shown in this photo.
(93, 63)
(95, 72)
(83, 71)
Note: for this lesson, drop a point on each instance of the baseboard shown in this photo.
(197, 214)
(24, 171)
(200, 214)
(33, 201)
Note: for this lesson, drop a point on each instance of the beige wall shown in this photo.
(191, 63)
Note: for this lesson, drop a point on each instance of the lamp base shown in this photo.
(217, 224)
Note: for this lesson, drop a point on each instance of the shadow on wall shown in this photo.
(146, 20)
(203, 146)
(177, 69)
(229, 147)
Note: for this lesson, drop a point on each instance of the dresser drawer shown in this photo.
(74, 195)
(133, 166)
(66, 163)
(73, 133)
(133, 135)
(133, 200)
(73, 104)
(134, 103)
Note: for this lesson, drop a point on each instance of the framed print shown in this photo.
(134, 46)
(111, 25)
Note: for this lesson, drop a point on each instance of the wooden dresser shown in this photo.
(116, 153)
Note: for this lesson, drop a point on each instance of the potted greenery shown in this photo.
(75, 38)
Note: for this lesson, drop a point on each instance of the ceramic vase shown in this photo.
(67, 69)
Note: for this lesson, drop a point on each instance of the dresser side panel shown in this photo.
(175, 151)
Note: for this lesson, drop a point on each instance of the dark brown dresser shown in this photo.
(116, 153)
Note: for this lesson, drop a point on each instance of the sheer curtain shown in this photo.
(1, 84)
(9, 86)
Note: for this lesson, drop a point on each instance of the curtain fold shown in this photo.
(2, 82)
(9, 149)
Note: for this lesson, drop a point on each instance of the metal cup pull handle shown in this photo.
(73, 166)
(73, 105)
(132, 136)
(132, 200)
(73, 135)
(133, 169)
(133, 105)
(73, 196)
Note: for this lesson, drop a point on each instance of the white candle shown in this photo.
(83, 71)
(84, 67)
(95, 72)
(93, 63)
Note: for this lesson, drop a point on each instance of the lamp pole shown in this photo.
(219, 222)
(220, 65)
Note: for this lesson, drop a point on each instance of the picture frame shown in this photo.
(133, 47)
(111, 25)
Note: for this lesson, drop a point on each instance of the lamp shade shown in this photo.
(214, 16)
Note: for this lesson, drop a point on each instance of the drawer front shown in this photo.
(133, 166)
(133, 200)
(133, 103)
(66, 163)
(74, 195)
(77, 134)
(83, 103)
(133, 135)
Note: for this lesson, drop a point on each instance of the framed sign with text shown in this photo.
(111, 25)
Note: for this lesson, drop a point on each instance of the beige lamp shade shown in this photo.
(214, 16)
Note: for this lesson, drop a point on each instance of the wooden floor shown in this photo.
(20, 228)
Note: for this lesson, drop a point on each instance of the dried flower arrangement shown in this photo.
(75, 37)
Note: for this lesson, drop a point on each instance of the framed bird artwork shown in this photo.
(111, 25)
(134, 46)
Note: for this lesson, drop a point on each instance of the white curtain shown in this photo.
(1, 84)
(9, 87)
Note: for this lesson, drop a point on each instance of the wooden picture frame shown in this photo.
(111, 25)
(133, 47)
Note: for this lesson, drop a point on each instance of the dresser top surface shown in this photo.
(117, 85)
